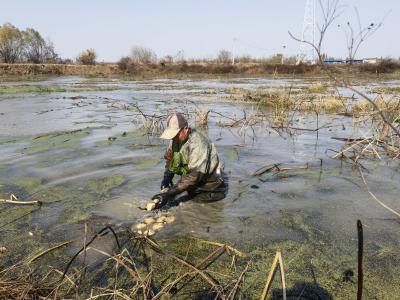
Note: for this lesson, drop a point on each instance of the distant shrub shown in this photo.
(124, 62)
(87, 57)
(66, 61)
(224, 57)
(142, 55)
(168, 59)
(274, 59)
(384, 66)
(244, 59)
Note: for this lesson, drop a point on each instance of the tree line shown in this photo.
(17, 46)
(28, 46)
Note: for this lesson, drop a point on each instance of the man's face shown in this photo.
(182, 135)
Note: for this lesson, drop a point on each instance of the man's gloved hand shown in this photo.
(163, 198)
(167, 179)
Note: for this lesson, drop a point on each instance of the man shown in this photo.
(192, 156)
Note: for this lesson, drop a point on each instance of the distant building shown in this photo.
(350, 61)
(333, 62)
(370, 61)
(354, 61)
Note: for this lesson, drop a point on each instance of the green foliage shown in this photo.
(36, 49)
(87, 57)
(11, 43)
(24, 46)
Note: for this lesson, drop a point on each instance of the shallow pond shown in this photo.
(86, 156)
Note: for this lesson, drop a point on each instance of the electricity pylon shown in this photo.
(307, 52)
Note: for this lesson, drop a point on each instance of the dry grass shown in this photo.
(201, 117)
(327, 105)
(20, 282)
(58, 69)
(316, 88)
(382, 119)
(282, 101)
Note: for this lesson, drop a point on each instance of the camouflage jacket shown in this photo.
(196, 161)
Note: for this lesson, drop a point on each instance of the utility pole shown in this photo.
(233, 51)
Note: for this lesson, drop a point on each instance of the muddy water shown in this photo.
(86, 156)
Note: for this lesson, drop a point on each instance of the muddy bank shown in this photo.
(57, 69)
(190, 69)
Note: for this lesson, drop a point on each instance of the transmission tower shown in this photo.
(307, 52)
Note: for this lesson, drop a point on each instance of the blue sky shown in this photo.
(199, 28)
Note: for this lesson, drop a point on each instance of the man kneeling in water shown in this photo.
(192, 156)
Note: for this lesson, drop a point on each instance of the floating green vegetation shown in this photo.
(103, 185)
(117, 163)
(39, 89)
(57, 158)
(125, 139)
(28, 183)
(146, 162)
(74, 214)
(63, 139)
(230, 153)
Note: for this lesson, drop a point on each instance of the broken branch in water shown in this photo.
(44, 252)
(376, 198)
(277, 168)
(360, 259)
(14, 200)
(232, 294)
(229, 248)
(266, 169)
(102, 232)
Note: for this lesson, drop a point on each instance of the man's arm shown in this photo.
(168, 175)
(167, 179)
(189, 181)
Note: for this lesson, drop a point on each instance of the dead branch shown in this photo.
(274, 268)
(233, 292)
(376, 198)
(153, 246)
(44, 252)
(14, 200)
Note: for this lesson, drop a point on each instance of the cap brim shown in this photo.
(169, 134)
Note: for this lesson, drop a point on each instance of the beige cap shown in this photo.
(175, 123)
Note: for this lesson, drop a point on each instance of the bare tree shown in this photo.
(224, 56)
(142, 55)
(355, 39)
(36, 48)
